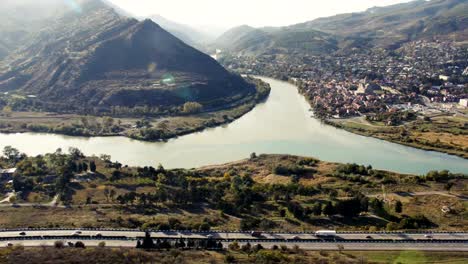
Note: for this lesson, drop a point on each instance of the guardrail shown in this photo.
(228, 231)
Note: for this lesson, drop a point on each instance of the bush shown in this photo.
(80, 244)
(59, 244)
(192, 108)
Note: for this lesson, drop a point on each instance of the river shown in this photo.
(281, 125)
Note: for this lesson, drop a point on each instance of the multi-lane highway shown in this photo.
(444, 241)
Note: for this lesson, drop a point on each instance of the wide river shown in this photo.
(282, 124)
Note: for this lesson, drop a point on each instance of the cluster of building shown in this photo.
(358, 82)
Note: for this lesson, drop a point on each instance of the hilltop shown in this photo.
(90, 59)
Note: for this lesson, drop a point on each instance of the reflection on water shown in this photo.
(280, 125)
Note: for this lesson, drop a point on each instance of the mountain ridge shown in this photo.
(386, 27)
(99, 59)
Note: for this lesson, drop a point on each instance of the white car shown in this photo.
(427, 236)
(8, 244)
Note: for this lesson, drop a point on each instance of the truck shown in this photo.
(325, 233)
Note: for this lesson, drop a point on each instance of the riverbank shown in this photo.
(446, 134)
(265, 192)
(144, 128)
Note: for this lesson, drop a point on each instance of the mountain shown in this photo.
(387, 27)
(253, 41)
(187, 34)
(92, 57)
(392, 25)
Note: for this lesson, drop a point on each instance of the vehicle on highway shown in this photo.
(209, 236)
(22, 233)
(428, 236)
(8, 244)
(295, 238)
(70, 244)
(76, 233)
(325, 233)
(369, 237)
(256, 234)
(98, 235)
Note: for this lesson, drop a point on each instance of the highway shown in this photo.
(439, 241)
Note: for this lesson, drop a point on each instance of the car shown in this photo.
(209, 236)
(295, 238)
(70, 244)
(76, 233)
(98, 235)
(22, 233)
(369, 237)
(428, 236)
(8, 244)
(256, 234)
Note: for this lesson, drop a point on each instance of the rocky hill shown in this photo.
(92, 57)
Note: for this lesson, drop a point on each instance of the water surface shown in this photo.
(281, 125)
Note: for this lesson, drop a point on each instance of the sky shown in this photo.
(257, 13)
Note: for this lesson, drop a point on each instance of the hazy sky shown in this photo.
(227, 13)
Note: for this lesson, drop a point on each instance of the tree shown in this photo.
(92, 166)
(148, 242)
(192, 108)
(316, 209)
(328, 209)
(80, 244)
(7, 110)
(58, 244)
(398, 207)
(12, 154)
(448, 186)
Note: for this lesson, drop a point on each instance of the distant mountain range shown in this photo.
(387, 27)
(90, 56)
(187, 34)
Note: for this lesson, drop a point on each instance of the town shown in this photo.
(421, 76)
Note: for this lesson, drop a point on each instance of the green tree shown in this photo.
(92, 166)
(398, 207)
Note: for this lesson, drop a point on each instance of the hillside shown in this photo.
(396, 24)
(387, 27)
(252, 41)
(95, 58)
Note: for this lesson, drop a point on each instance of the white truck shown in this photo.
(325, 233)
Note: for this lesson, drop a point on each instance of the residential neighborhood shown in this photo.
(366, 82)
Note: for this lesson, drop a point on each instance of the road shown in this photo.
(350, 240)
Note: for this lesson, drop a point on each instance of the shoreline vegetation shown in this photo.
(263, 192)
(147, 128)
